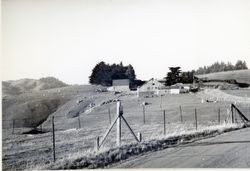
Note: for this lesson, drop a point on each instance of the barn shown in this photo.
(121, 85)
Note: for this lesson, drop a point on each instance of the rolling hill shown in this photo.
(239, 76)
(30, 85)
(29, 102)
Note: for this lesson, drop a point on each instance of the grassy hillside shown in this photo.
(30, 85)
(241, 76)
(26, 101)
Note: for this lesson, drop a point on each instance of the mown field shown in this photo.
(30, 151)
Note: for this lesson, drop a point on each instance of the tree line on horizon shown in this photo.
(221, 66)
(103, 74)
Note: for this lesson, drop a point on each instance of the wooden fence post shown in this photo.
(164, 122)
(219, 115)
(232, 113)
(181, 114)
(195, 115)
(13, 126)
(139, 137)
(53, 134)
(109, 116)
(118, 112)
(79, 122)
(143, 110)
(97, 143)
(161, 101)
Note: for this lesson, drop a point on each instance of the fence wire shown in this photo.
(79, 134)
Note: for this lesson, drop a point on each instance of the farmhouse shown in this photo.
(153, 86)
(120, 85)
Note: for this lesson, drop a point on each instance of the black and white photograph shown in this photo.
(125, 84)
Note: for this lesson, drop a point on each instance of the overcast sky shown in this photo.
(66, 38)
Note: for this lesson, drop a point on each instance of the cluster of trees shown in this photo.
(219, 67)
(187, 77)
(176, 76)
(103, 73)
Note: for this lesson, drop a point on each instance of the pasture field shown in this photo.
(28, 151)
(239, 92)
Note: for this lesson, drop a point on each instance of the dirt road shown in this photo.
(229, 150)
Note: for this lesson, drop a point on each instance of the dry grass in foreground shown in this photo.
(104, 157)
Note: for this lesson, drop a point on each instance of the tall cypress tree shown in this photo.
(173, 76)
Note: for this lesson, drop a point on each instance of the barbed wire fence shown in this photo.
(181, 114)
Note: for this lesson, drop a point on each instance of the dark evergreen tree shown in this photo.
(240, 65)
(97, 76)
(244, 65)
(130, 73)
(173, 76)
